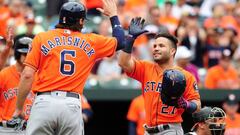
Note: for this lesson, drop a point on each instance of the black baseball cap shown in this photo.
(231, 99)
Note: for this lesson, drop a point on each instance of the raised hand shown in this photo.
(10, 36)
(136, 27)
(109, 8)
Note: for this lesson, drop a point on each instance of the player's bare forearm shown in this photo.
(6, 51)
(4, 56)
(24, 86)
(126, 61)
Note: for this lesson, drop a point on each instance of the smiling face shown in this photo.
(163, 50)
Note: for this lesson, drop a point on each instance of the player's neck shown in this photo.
(166, 65)
(19, 67)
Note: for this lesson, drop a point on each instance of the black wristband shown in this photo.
(115, 21)
(128, 44)
(192, 107)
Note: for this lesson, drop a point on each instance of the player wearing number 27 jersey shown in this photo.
(161, 119)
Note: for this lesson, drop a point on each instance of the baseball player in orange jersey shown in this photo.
(62, 60)
(136, 116)
(161, 119)
(9, 80)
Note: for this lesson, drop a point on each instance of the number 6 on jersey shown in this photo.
(67, 67)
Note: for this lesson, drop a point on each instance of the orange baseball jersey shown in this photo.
(150, 75)
(233, 125)
(218, 78)
(136, 113)
(85, 104)
(62, 57)
(9, 80)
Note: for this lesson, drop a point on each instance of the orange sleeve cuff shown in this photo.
(30, 65)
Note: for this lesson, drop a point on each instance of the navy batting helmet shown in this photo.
(173, 86)
(21, 46)
(214, 117)
(71, 12)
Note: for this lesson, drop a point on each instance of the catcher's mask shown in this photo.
(214, 117)
(173, 86)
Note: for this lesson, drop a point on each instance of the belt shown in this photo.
(60, 93)
(6, 124)
(156, 129)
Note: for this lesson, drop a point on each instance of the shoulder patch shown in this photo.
(195, 86)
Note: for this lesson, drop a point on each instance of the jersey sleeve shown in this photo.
(138, 72)
(132, 114)
(104, 46)
(191, 91)
(34, 53)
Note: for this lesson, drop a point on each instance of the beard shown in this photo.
(162, 59)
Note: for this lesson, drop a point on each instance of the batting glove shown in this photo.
(186, 105)
(136, 27)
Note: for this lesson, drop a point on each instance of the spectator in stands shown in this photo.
(219, 18)
(109, 69)
(183, 58)
(236, 58)
(223, 75)
(231, 107)
(136, 116)
(213, 51)
(154, 20)
(12, 16)
(167, 19)
(236, 15)
(194, 39)
(181, 8)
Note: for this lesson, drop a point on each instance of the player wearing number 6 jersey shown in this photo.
(161, 119)
(9, 80)
(62, 59)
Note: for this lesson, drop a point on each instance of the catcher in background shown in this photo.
(209, 121)
(168, 90)
(136, 116)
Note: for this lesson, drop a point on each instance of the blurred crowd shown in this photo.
(208, 32)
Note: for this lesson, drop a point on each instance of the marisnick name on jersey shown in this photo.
(68, 41)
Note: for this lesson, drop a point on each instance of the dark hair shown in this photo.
(169, 3)
(73, 27)
(170, 37)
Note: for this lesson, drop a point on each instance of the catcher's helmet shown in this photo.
(71, 12)
(214, 117)
(21, 46)
(173, 86)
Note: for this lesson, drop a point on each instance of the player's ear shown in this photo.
(81, 21)
(173, 51)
